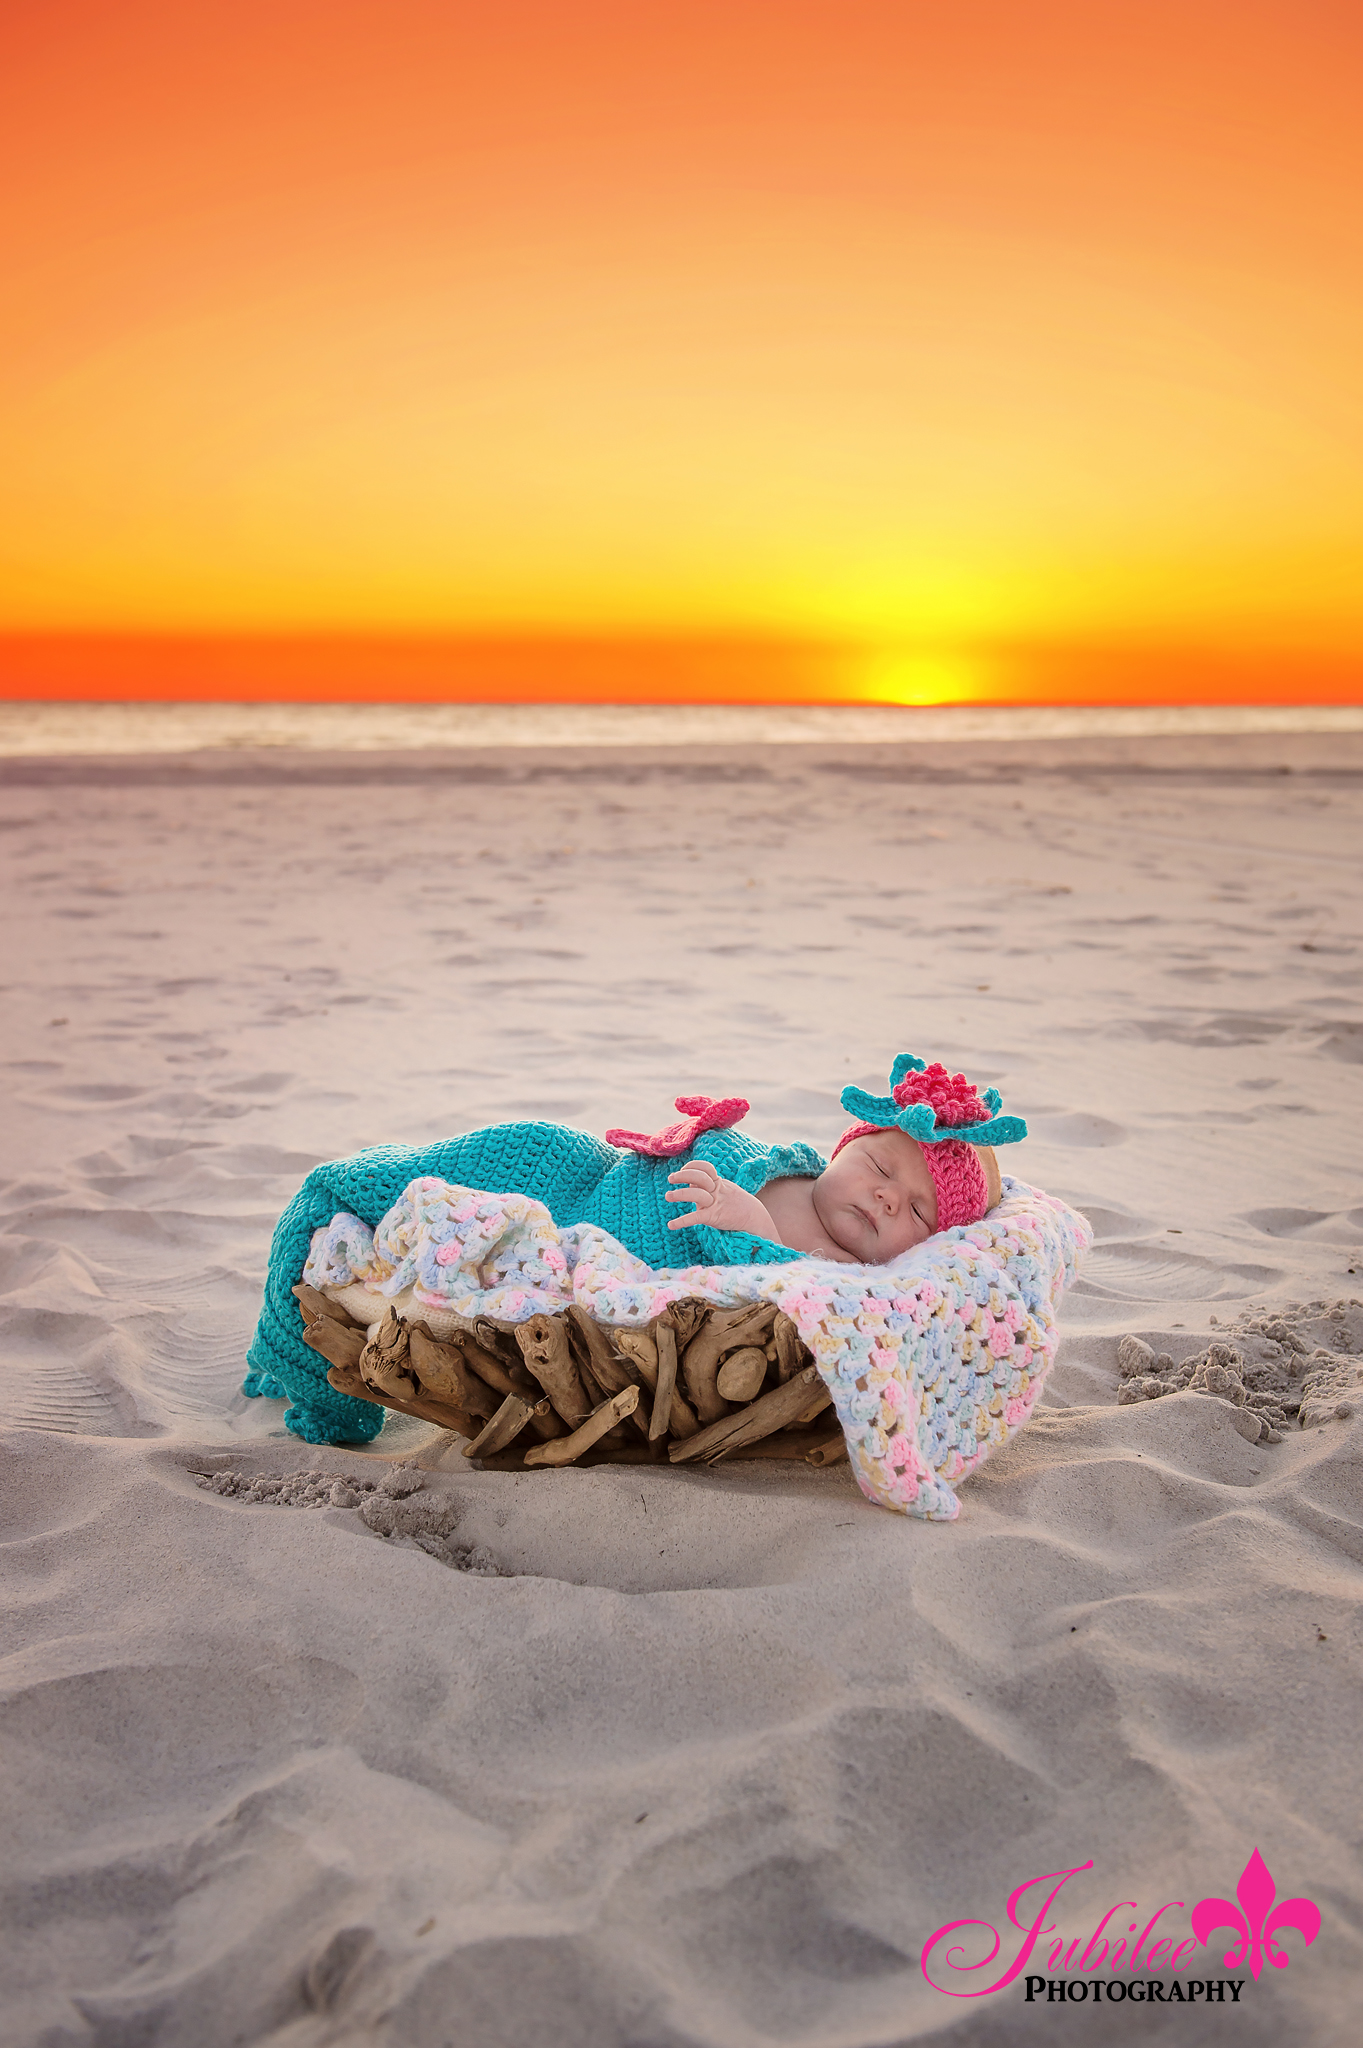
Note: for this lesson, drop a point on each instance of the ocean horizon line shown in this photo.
(52, 728)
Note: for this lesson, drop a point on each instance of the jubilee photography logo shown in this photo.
(1063, 1971)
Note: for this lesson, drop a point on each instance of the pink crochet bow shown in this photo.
(699, 1112)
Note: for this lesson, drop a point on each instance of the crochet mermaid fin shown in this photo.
(700, 1113)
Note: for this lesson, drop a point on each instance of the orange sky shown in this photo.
(928, 325)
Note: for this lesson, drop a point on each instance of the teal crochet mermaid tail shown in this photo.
(558, 1166)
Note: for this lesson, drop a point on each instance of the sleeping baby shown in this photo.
(700, 1193)
(919, 1160)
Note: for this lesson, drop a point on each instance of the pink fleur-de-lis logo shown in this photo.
(1260, 1921)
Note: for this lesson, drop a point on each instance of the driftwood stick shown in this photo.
(493, 1369)
(443, 1374)
(637, 1358)
(699, 1372)
(665, 1339)
(686, 1317)
(506, 1424)
(544, 1347)
(682, 1421)
(569, 1448)
(831, 1452)
(498, 1340)
(641, 1415)
(495, 1336)
(314, 1303)
(747, 1322)
(600, 1385)
(490, 1368)
(604, 1453)
(746, 1425)
(384, 1362)
(642, 1418)
(337, 1344)
(639, 1349)
(640, 1354)
(724, 1330)
(545, 1422)
(611, 1371)
(579, 1351)
(742, 1373)
(607, 1370)
(346, 1380)
(792, 1353)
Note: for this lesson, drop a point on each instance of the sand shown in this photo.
(686, 1756)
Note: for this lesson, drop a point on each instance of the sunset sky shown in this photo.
(922, 326)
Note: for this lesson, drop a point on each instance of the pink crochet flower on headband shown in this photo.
(932, 1105)
(952, 1098)
(949, 1119)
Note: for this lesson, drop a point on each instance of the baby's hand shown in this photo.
(720, 1204)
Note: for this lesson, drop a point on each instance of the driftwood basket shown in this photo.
(699, 1382)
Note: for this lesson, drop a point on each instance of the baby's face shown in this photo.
(877, 1198)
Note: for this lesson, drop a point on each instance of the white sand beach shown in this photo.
(691, 1758)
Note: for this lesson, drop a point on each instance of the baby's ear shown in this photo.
(993, 1179)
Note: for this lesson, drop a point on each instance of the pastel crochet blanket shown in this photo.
(932, 1361)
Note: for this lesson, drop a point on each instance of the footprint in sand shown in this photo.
(1344, 1041)
(1148, 1272)
(213, 1714)
(1115, 1225)
(1223, 1027)
(67, 1373)
(1320, 1226)
(93, 1091)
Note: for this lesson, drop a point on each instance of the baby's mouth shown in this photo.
(867, 1218)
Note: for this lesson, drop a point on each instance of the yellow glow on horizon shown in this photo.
(922, 676)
